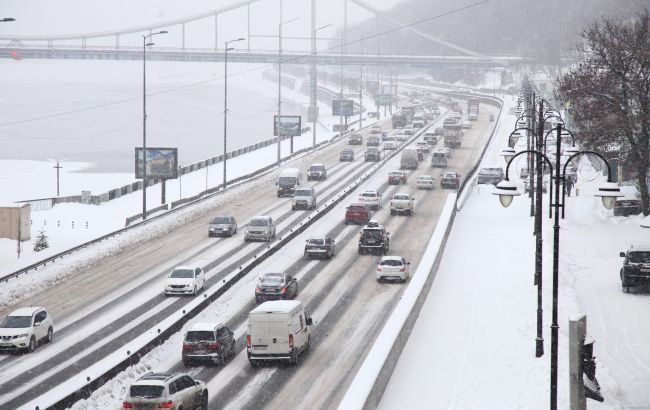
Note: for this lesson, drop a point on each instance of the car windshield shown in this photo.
(368, 194)
(391, 262)
(395, 174)
(425, 178)
(199, 336)
(491, 171)
(221, 220)
(347, 151)
(272, 280)
(303, 192)
(316, 168)
(287, 180)
(401, 197)
(146, 391)
(357, 208)
(638, 257)
(182, 273)
(449, 176)
(16, 321)
(259, 222)
(317, 242)
(371, 234)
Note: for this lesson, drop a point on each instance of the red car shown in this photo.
(396, 177)
(357, 213)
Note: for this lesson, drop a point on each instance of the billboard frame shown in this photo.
(342, 107)
(167, 169)
(296, 126)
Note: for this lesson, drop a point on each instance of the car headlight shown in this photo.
(22, 336)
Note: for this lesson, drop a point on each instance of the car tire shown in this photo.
(626, 289)
(32, 345)
(204, 401)
(233, 350)
(295, 358)
(194, 291)
(186, 362)
(50, 335)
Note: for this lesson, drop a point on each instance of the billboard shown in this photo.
(372, 86)
(290, 126)
(383, 99)
(162, 163)
(389, 89)
(342, 107)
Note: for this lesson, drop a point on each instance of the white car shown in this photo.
(393, 267)
(24, 328)
(422, 146)
(399, 135)
(184, 280)
(371, 199)
(425, 182)
(390, 145)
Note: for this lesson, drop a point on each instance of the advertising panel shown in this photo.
(389, 89)
(290, 126)
(342, 107)
(372, 86)
(162, 163)
(383, 99)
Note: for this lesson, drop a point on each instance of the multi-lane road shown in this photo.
(107, 305)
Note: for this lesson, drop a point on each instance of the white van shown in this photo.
(277, 330)
(304, 198)
(288, 180)
(409, 158)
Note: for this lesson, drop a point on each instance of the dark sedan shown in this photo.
(450, 179)
(347, 155)
(274, 286)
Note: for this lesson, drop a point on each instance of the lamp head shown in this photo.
(507, 154)
(506, 190)
(608, 192)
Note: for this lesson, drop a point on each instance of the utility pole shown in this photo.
(58, 167)
(361, 87)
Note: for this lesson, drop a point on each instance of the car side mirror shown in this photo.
(622, 254)
(197, 382)
(36, 324)
(309, 321)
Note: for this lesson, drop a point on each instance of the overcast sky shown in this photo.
(49, 17)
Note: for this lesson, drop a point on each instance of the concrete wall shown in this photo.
(14, 219)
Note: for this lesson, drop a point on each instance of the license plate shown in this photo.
(5, 344)
(371, 242)
(259, 347)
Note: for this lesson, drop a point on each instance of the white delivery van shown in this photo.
(289, 179)
(277, 330)
(409, 158)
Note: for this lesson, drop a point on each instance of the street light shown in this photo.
(144, 118)
(314, 96)
(608, 193)
(225, 103)
(363, 37)
(279, 128)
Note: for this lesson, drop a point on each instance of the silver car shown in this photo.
(260, 228)
(222, 226)
(166, 390)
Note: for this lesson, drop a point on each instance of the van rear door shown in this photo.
(259, 332)
(278, 333)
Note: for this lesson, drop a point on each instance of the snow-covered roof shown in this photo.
(279, 306)
(205, 326)
(26, 311)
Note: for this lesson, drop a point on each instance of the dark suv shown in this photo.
(355, 139)
(372, 154)
(373, 239)
(210, 342)
(490, 176)
(636, 266)
(317, 172)
(166, 390)
(357, 214)
(346, 155)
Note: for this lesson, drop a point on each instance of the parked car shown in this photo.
(166, 391)
(355, 139)
(372, 154)
(210, 342)
(317, 172)
(450, 179)
(636, 266)
(322, 247)
(371, 199)
(396, 177)
(222, 226)
(24, 328)
(357, 213)
(375, 129)
(184, 280)
(260, 228)
(373, 238)
(274, 286)
(402, 203)
(347, 155)
(373, 141)
(490, 176)
(393, 267)
(425, 182)
(304, 198)
(629, 203)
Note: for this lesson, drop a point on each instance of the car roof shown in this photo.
(640, 247)
(261, 217)
(317, 164)
(317, 237)
(205, 326)
(185, 267)
(282, 306)
(372, 191)
(391, 257)
(155, 379)
(26, 311)
(425, 177)
(357, 204)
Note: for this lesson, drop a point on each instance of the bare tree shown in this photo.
(609, 92)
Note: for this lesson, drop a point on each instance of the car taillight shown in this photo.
(379, 269)
(187, 346)
(403, 269)
(127, 405)
(166, 405)
(248, 341)
(283, 290)
(290, 340)
(258, 290)
(213, 346)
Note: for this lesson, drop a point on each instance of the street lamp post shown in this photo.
(608, 193)
(315, 85)
(144, 118)
(225, 103)
(279, 128)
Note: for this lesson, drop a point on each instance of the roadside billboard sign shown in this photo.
(389, 89)
(162, 163)
(290, 126)
(383, 99)
(342, 107)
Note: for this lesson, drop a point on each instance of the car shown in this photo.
(210, 342)
(222, 226)
(629, 203)
(304, 198)
(448, 152)
(450, 179)
(399, 135)
(422, 146)
(430, 138)
(636, 266)
(260, 228)
(24, 328)
(425, 182)
(390, 145)
(373, 141)
(393, 267)
(408, 130)
(396, 177)
(316, 172)
(322, 247)
(166, 391)
(184, 280)
(466, 124)
(276, 286)
(375, 129)
(439, 159)
(347, 155)
(402, 203)
(490, 176)
(357, 213)
(371, 199)
(372, 154)
(440, 131)
(355, 139)
(374, 239)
